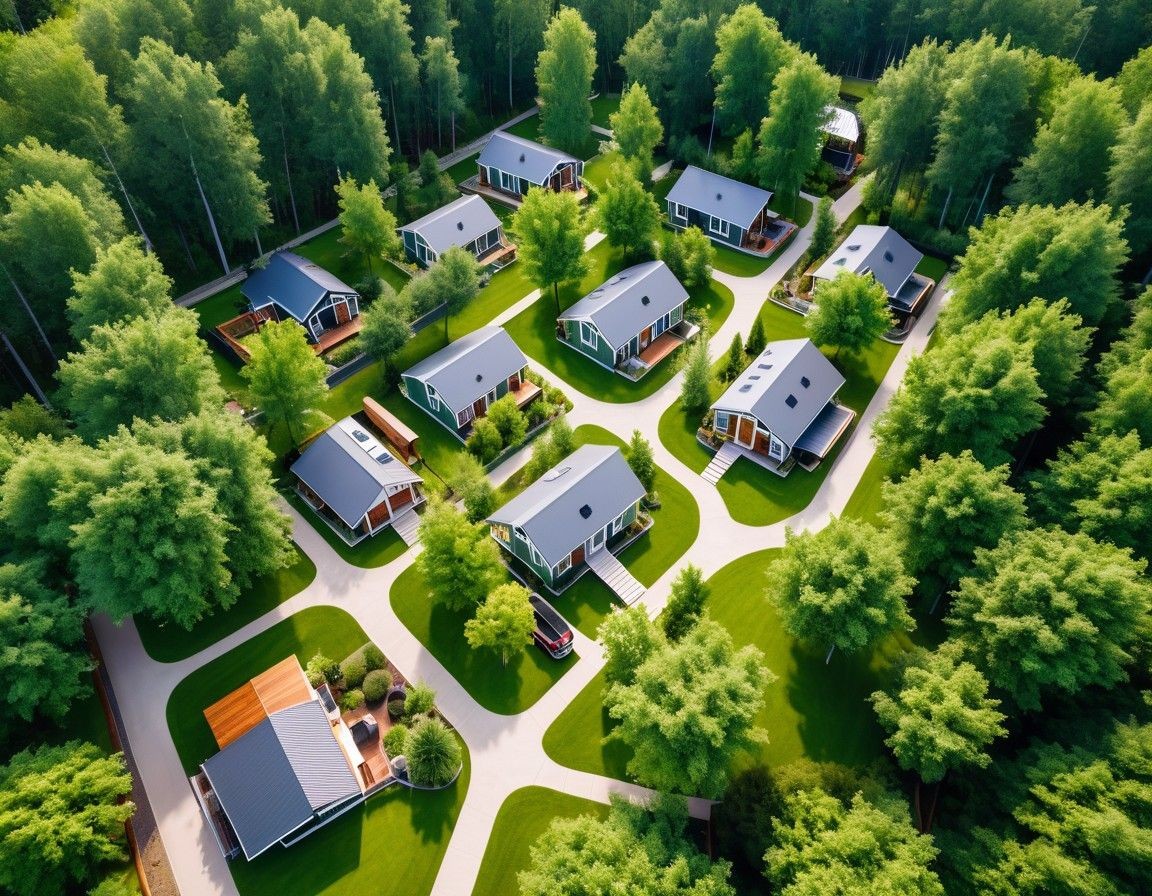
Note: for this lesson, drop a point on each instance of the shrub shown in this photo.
(554, 395)
(396, 708)
(396, 740)
(433, 753)
(344, 353)
(539, 411)
(485, 441)
(508, 420)
(352, 699)
(353, 670)
(322, 669)
(376, 685)
(421, 700)
(373, 657)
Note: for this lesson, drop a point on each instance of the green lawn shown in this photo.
(813, 710)
(534, 330)
(856, 87)
(370, 553)
(603, 106)
(523, 817)
(865, 503)
(933, 267)
(508, 690)
(597, 169)
(360, 852)
(171, 643)
(463, 169)
(675, 526)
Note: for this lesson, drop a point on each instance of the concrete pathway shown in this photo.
(506, 751)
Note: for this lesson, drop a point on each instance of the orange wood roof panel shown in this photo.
(282, 686)
(278, 688)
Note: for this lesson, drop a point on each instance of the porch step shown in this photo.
(614, 574)
(407, 526)
(719, 464)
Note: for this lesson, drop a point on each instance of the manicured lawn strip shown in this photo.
(856, 87)
(758, 497)
(576, 738)
(534, 330)
(597, 169)
(171, 643)
(933, 267)
(865, 503)
(508, 690)
(370, 553)
(603, 106)
(522, 819)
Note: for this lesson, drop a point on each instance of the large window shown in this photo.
(563, 566)
(500, 532)
(679, 212)
(433, 398)
(588, 333)
(718, 226)
(721, 421)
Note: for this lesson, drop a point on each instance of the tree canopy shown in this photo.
(503, 622)
(637, 130)
(367, 227)
(627, 213)
(123, 283)
(564, 71)
(461, 564)
(850, 312)
(455, 280)
(1127, 187)
(750, 53)
(286, 378)
(550, 229)
(790, 136)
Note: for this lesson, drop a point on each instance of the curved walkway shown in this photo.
(506, 751)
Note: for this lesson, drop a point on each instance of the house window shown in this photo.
(679, 211)
(433, 398)
(563, 566)
(588, 333)
(491, 398)
(353, 306)
(520, 534)
(718, 226)
(500, 532)
(617, 524)
(776, 448)
(464, 416)
(721, 421)
(508, 181)
(536, 558)
(677, 314)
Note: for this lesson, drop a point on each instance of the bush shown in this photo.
(396, 708)
(485, 441)
(421, 700)
(321, 669)
(353, 671)
(433, 754)
(352, 699)
(553, 395)
(373, 657)
(344, 353)
(508, 420)
(539, 411)
(376, 685)
(396, 740)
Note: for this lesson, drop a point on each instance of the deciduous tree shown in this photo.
(366, 226)
(637, 130)
(442, 84)
(790, 136)
(564, 71)
(286, 378)
(843, 586)
(386, 326)
(640, 460)
(455, 279)
(1046, 612)
(508, 419)
(550, 229)
(461, 564)
(685, 602)
(1127, 185)
(629, 638)
(471, 483)
(627, 213)
(519, 27)
(689, 254)
(850, 312)
(503, 622)
(433, 753)
(123, 283)
(750, 52)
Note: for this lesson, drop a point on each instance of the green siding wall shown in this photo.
(602, 353)
(418, 395)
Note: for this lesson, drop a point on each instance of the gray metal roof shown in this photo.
(630, 301)
(532, 161)
(714, 194)
(549, 510)
(350, 469)
(470, 367)
(292, 282)
(881, 250)
(841, 123)
(822, 432)
(455, 224)
(275, 777)
(765, 387)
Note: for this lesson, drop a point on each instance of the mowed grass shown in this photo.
(504, 689)
(523, 818)
(814, 711)
(866, 501)
(597, 169)
(360, 852)
(534, 330)
(370, 553)
(675, 525)
(171, 643)
(602, 107)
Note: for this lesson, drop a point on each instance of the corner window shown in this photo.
(721, 421)
(563, 566)
(679, 211)
(433, 398)
(500, 532)
(587, 333)
(717, 226)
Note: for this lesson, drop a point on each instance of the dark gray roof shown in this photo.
(292, 282)
(349, 469)
(822, 433)
(455, 224)
(596, 476)
(275, 777)
(777, 375)
(713, 194)
(470, 367)
(532, 161)
(881, 250)
(618, 308)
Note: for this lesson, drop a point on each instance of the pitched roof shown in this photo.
(349, 469)
(292, 282)
(470, 367)
(455, 224)
(841, 123)
(772, 388)
(713, 194)
(524, 158)
(625, 304)
(237, 713)
(274, 778)
(575, 499)
(881, 250)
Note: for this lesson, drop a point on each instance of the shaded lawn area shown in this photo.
(597, 169)
(933, 267)
(507, 287)
(534, 330)
(857, 87)
(812, 711)
(368, 554)
(507, 690)
(349, 855)
(675, 526)
(171, 643)
(523, 818)
(758, 497)
(529, 129)
(603, 106)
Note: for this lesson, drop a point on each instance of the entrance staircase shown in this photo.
(613, 573)
(407, 526)
(719, 464)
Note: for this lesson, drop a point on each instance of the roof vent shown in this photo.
(554, 474)
(764, 366)
(719, 196)
(790, 401)
(479, 377)
(754, 376)
(521, 157)
(888, 256)
(644, 300)
(383, 458)
(360, 436)
(805, 382)
(746, 387)
(841, 261)
(855, 247)
(459, 225)
(585, 511)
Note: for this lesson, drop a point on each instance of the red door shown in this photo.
(746, 430)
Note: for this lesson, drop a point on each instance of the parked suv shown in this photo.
(552, 633)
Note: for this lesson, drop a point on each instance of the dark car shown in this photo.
(552, 633)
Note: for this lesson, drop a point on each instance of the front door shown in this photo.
(595, 542)
(478, 407)
(645, 337)
(747, 432)
(342, 315)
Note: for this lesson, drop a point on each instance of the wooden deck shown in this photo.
(236, 714)
(375, 767)
(332, 338)
(660, 348)
(526, 394)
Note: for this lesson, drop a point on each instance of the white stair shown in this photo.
(407, 526)
(719, 464)
(613, 573)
